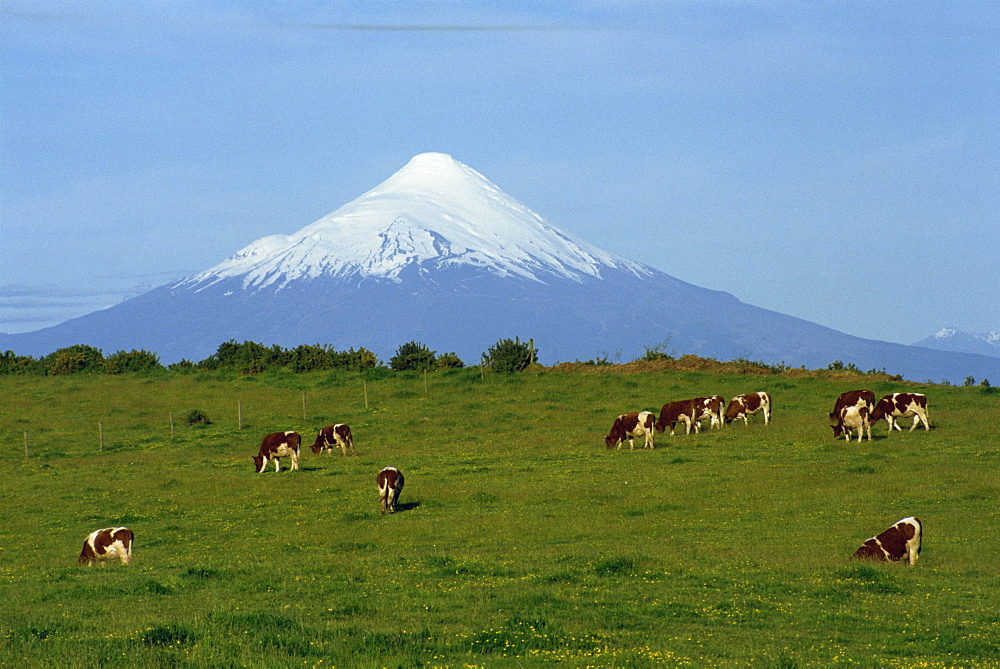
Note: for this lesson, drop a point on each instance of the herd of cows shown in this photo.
(855, 410)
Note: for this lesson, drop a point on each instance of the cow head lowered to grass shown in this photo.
(629, 426)
(338, 435)
(901, 540)
(275, 446)
(107, 544)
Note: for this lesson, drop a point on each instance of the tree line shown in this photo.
(248, 357)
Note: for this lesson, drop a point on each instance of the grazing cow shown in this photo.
(275, 446)
(712, 408)
(629, 426)
(902, 405)
(899, 541)
(334, 435)
(686, 411)
(855, 417)
(865, 398)
(390, 484)
(107, 544)
(742, 406)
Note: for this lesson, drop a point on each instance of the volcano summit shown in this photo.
(435, 213)
(439, 254)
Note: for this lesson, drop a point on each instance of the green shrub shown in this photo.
(247, 358)
(449, 361)
(412, 356)
(74, 360)
(196, 417)
(510, 355)
(11, 363)
(124, 362)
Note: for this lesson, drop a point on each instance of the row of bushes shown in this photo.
(507, 355)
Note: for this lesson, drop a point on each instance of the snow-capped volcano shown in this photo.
(433, 213)
(438, 254)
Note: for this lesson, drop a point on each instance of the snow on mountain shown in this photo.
(945, 333)
(435, 211)
(438, 254)
(960, 341)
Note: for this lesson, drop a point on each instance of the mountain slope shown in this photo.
(439, 254)
(953, 339)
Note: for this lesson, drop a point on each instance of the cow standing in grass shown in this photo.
(681, 411)
(390, 484)
(902, 405)
(901, 540)
(855, 417)
(338, 435)
(276, 446)
(713, 409)
(856, 398)
(746, 405)
(107, 544)
(629, 426)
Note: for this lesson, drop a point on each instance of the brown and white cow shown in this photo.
(713, 409)
(334, 435)
(746, 405)
(902, 405)
(901, 540)
(107, 544)
(681, 411)
(629, 426)
(390, 484)
(855, 417)
(275, 446)
(859, 398)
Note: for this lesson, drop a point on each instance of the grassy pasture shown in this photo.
(521, 540)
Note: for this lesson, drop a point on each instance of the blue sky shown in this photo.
(835, 161)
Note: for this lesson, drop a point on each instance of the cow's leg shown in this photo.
(295, 461)
(911, 549)
(631, 442)
(277, 464)
(916, 421)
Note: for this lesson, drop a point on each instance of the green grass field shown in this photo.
(521, 539)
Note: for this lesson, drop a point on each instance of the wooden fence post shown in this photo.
(239, 414)
(365, 382)
(100, 431)
(26, 454)
(303, 406)
(171, 424)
